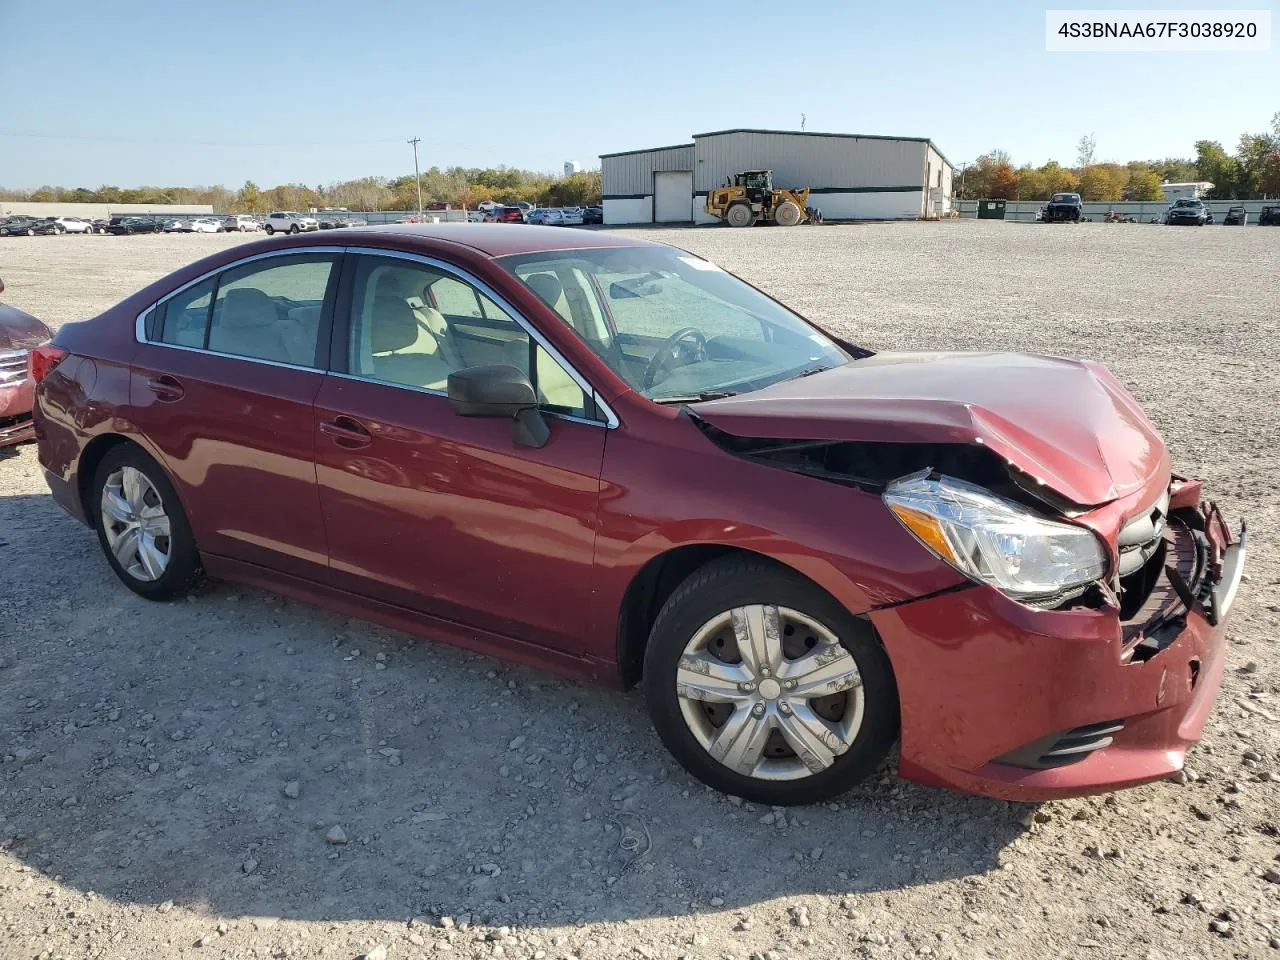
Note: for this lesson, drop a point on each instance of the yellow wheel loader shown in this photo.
(750, 197)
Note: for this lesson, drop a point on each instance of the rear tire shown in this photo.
(142, 528)
(787, 213)
(270, 230)
(850, 737)
(739, 215)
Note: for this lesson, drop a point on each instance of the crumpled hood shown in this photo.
(20, 331)
(1066, 423)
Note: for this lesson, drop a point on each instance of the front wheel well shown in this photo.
(651, 588)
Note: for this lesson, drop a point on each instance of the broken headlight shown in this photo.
(995, 541)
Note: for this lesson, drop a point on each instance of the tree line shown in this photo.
(457, 186)
(1251, 172)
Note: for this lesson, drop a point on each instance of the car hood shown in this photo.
(1068, 424)
(20, 331)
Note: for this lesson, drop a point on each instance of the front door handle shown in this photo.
(166, 388)
(346, 432)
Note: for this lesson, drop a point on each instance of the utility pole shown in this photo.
(417, 177)
(803, 118)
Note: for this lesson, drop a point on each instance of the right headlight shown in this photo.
(996, 541)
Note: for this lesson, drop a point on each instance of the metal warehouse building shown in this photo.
(853, 177)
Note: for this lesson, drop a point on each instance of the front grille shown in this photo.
(13, 367)
(1063, 749)
(1141, 537)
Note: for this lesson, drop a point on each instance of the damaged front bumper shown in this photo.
(1021, 704)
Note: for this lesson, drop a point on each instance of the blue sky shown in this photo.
(219, 91)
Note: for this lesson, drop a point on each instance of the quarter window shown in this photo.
(186, 315)
(413, 324)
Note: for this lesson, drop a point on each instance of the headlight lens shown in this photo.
(996, 541)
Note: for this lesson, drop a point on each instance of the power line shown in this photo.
(196, 143)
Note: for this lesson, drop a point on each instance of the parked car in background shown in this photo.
(24, 226)
(339, 221)
(1237, 216)
(122, 226)
(537, 215)
(551, 217)
(19, 333)
(288, 222)
(1064, 207)
(475, 216)
(1188, 211)
(240, 223)
(73, 225)
(100, 225)
(593, 214)
(206, 225)
(177, 226)
(1269, 217)
(571, 217)
(512, 214)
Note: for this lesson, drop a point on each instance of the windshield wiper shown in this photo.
(809, 372)
(698, 397)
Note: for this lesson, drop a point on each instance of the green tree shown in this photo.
(1269, 176)
(1145, 186)
(1032, 184)
(1103, 181)
(249, 199)
(1214, 165)
(1058, 179)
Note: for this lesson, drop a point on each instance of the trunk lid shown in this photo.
(1067, 423)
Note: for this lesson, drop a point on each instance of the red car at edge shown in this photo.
(19, 333)
(610, 458)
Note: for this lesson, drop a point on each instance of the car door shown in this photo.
(441, 513)
(223, 386)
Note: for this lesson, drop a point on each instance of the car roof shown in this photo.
(498, 239)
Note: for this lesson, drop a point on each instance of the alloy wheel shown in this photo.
(770, 692)
(135, 523)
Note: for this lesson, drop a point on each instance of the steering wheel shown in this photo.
(669, 352)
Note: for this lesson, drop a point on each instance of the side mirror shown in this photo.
(500, 390)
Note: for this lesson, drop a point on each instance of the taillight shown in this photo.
(42, 360)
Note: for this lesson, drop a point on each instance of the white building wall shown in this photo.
(630, 210)
(809, 160)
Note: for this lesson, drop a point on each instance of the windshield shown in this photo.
(1187, 203)
(672, 325)
(1063, 198)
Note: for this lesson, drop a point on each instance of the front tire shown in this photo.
(764, 687)
(739, 215)
(141, 526)
(294, 228)
(270, 230)
(787, 214)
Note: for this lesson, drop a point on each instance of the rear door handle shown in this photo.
(346, 432)
(166, 388)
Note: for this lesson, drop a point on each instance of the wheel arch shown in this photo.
(654, 583)
(96, 450)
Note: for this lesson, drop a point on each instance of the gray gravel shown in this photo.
(174, 779)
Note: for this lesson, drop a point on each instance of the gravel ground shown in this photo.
(243, 776)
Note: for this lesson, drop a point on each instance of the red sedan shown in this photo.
(19, 332)
(610, 458)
